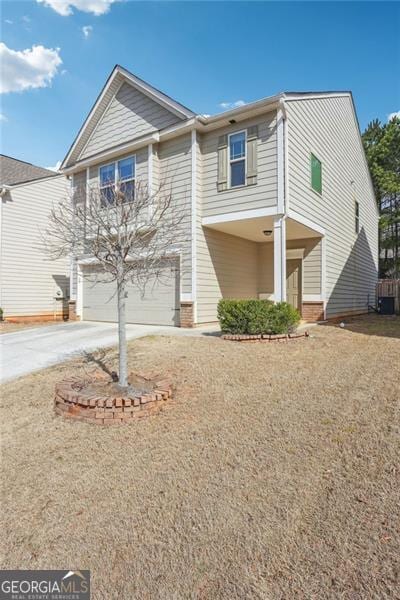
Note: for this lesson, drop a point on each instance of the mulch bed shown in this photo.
(265, 337)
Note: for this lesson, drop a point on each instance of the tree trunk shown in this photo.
(123, 362)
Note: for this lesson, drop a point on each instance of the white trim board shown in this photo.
(305, 221)
(241, 215)
(280, 160)
(113, 153)
(312, 298)
(194, 221)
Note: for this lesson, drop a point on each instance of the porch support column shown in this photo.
(280, 259)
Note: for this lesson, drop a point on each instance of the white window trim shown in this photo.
(115, 163)
(230, 161)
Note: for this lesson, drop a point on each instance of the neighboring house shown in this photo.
(277, 198)
(31, 286)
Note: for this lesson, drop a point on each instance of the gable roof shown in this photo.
(187, 119)
(14, 171)
(118, 76)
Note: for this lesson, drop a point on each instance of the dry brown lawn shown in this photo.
(274, 473)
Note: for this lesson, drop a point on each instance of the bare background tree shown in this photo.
(126, 232)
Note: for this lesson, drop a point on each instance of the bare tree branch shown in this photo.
(126, 231)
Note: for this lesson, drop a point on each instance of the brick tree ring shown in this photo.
(88, 399)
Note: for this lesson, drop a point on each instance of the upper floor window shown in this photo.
(121, 172)
(316, 174)
(357, 216)
(237, 159)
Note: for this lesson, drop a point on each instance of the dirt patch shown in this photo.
(273, 474)
(137, 386)
(6, 327)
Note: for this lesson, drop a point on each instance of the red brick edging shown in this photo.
(265, 337)
(74, 402)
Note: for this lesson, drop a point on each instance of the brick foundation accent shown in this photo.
(74, 401)
(72, 316)
(187, 314)
(312, 311)
(44, 317)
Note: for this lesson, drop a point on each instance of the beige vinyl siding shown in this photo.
(226, 268)
(175, 174)
(130, 114)
(89, 127)
(311, 264)
(29, 280)
(79, 191)
(79, 186)
(311, 268)
(327, 128)
(265, 268)
(261, 195)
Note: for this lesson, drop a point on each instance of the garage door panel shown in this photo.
(158, 306)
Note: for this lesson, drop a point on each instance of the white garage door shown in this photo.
(159, 306)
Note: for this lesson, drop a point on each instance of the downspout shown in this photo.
(3, 191)
(282, 107)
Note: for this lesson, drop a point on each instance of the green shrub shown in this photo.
(283, 318)
(1, 314)
(256, 316)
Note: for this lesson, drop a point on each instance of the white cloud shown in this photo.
(3, 118)
(87, 30)
(56, 166)
(8, 21)
(31, 68)
(235, 104)
(25, 19)
(394, 114)
(65, 7)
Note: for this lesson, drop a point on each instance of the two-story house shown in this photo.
(277, 198)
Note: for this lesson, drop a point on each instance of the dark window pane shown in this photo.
(107, 174)
(237, 173)
(237, 145)
(128, 191)
(357, 209)
(107, 196)
(126, 169)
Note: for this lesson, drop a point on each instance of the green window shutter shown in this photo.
(222, 181)
(252, 136)
(316, 174)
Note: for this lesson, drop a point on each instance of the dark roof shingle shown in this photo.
(14, 171)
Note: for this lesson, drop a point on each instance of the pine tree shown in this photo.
(382, 147)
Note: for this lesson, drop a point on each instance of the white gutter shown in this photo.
(122, 149)
(258, 105)
(198, 122)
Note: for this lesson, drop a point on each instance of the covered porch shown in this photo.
(275, 257)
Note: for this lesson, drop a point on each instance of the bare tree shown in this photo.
(126, 232)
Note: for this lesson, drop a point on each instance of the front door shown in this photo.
(293, 282)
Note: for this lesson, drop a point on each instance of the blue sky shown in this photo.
(202, 54)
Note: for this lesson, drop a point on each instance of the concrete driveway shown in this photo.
(29, 350)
